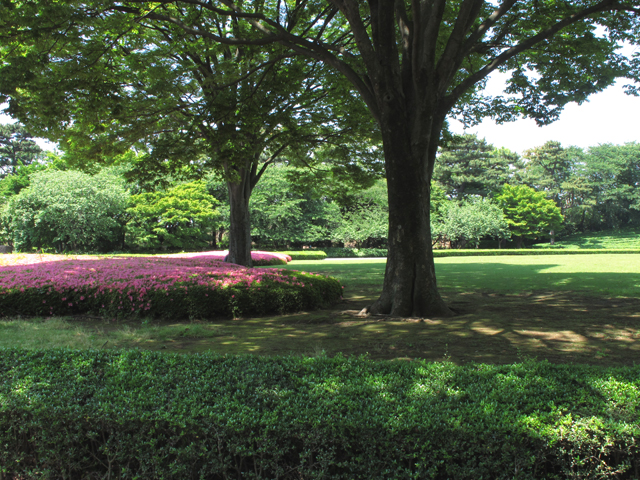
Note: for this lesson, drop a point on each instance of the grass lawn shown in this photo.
(622, 238)
(573, 308)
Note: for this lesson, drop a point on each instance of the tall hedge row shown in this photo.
(135, 414)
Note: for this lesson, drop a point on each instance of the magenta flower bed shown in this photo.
(187, 285)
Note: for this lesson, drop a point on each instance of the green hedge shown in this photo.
(140, 414)
(311, 291)
(306, 255)
(476, 252)
(355, 252)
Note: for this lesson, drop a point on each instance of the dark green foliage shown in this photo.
(281, 213)
(468, 165)
(365, 221)
(333, 252)
(548, 168)
(136, 414)
(186, 300)
(613, 175)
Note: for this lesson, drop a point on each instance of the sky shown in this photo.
(610, 116)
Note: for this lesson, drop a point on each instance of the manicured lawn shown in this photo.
(573, 308)
(623, 238)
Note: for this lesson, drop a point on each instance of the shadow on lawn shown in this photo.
(494, 328)
(507, 312)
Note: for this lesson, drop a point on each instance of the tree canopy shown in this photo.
(17, 148)
(182, 217)
(529, 214)
(468, 165)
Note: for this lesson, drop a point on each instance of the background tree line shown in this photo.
(479, 193)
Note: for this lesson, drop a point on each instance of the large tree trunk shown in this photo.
(409, 288)
(240, 222)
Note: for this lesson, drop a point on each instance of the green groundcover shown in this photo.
(139, 414)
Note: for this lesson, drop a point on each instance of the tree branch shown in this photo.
(525, 45)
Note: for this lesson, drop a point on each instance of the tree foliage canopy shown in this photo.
(528, 213)
(182, 217)
(468, 166)
(465, 224)
(17, 148)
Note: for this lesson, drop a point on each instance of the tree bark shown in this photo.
(410, 288)
(239, 219)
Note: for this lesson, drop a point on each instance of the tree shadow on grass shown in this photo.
(506, 313)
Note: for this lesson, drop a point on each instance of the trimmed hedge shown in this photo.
(306, 255)
(139, 414)
(309, 291)
(355, 252)
(476, 252)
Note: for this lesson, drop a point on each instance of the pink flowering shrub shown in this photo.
(176, 286)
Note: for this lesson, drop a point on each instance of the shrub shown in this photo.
(141, 414)
(306, 255)
(355, 252)
(176, 287)
(183, 217)
(469, 222)
(68, 211)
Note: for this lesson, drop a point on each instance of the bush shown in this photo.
(467, 223)
(68, 211)
(355, 252)
(140, 414)
(183, 217)
(306, 255)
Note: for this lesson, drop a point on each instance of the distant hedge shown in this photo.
(355, 252)
(475, 252)
(306, 255)
(139, 414)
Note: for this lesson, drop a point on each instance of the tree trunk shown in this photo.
(240, 222)
(409, 288)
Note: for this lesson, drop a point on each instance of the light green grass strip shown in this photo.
(610, 275)
(531, 251)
